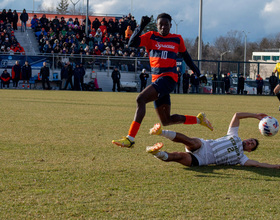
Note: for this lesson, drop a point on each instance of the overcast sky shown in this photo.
(258, 18)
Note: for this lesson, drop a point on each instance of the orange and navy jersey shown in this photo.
(163, 53)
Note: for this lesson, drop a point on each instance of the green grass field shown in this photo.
(57, 160)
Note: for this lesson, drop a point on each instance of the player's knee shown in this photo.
(193, 144)
(140, 99)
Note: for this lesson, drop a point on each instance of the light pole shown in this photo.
(221, 58)
(176, 31)
(199, 56)
(245, 52)
(87, 19)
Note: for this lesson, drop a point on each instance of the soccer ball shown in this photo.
(269, 126)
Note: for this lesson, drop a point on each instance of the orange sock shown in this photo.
(133, 130)
(190, 120)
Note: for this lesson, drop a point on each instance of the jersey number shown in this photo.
(230, 149)
(164, 55)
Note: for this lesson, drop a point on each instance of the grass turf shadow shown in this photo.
(211, 170)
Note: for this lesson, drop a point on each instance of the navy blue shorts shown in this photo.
(164, 86)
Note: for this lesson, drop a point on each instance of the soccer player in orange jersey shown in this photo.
(163, 49)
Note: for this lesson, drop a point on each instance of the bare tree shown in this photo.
(277, 40)
(266, 44)
(231, 42)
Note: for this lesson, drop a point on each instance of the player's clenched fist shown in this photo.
(144, 21)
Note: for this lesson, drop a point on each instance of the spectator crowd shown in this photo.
(105, 37)
(8, 41)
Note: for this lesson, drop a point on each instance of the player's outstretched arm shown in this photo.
(235, 121)
(134, 40)
(253, 163)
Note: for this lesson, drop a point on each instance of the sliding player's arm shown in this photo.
(235, 121)
(135, 40)
(254, 163)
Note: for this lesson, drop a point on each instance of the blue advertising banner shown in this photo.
(8, 61)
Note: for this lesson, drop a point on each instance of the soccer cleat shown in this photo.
(124, 142)
(156, 130)
(154, 149)
(204, 121)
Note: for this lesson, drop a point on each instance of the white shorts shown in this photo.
(204, 154)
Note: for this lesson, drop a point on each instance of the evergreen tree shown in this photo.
(62, 7)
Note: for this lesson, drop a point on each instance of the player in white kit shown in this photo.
(227, 150)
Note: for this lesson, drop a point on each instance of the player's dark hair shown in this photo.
(164, 15)
(257, 144)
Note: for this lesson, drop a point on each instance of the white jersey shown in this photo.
(227, 150)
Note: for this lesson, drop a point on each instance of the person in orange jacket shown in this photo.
(128, 33)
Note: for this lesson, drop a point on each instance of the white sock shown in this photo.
(168, 134)
(162, 155)
(130, 138)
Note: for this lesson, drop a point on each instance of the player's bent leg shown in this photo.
(166, 119)
(192, 144)
(180, 157)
